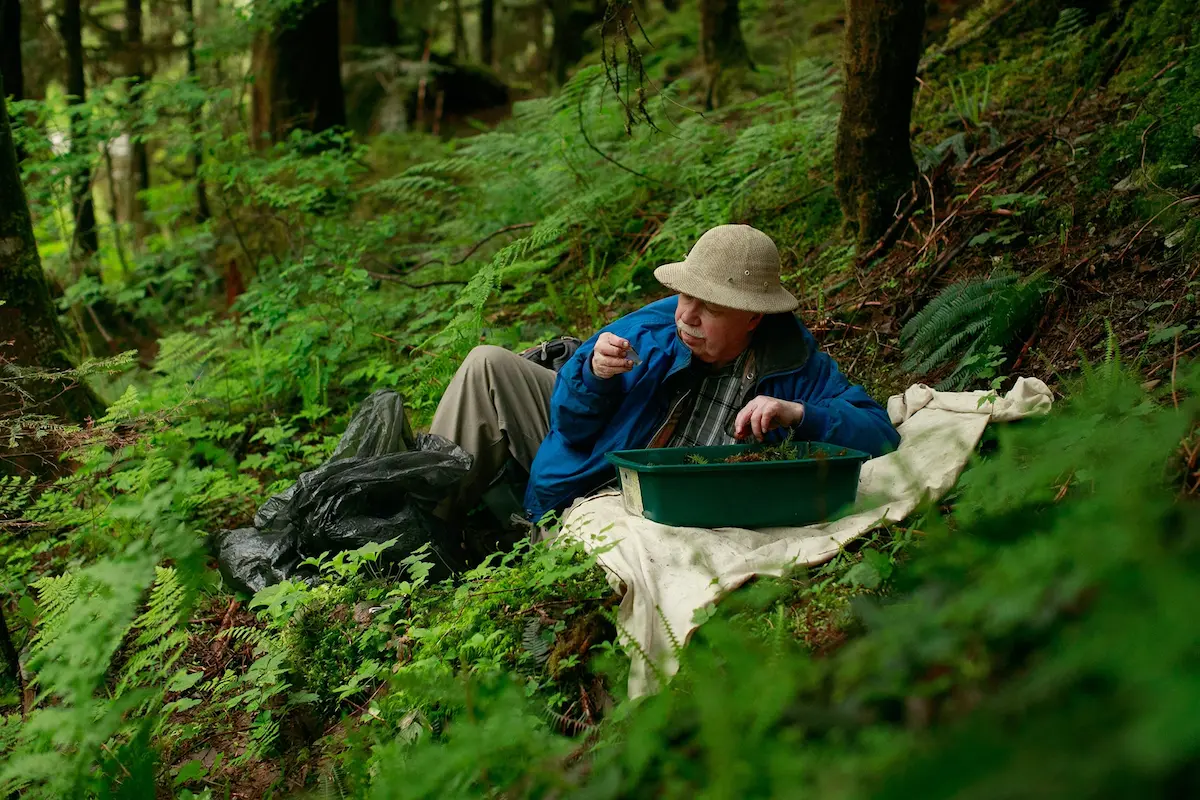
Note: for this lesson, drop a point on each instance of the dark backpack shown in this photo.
(554, 353)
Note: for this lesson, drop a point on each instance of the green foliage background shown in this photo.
(1031, 638)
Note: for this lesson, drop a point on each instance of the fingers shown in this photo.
(765, 419)
(741, 424)
(760, 416)
(608, 356)
(611, 346)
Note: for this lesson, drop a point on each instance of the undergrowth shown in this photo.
(1032, 641)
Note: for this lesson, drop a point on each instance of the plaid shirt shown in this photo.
(714, 406)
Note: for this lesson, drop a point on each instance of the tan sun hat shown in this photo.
(735, 266)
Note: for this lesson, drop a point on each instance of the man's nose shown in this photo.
(689, 311)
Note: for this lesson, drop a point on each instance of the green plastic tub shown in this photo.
(665, 485)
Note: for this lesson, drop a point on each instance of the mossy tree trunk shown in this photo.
(298, 74)
(721, 43)
(27, 315)
(203, 212)
(85, 241)
(873, 162)
(139, 158)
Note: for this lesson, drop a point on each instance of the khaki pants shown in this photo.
(497, 407)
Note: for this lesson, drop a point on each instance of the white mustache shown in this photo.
(690, 331)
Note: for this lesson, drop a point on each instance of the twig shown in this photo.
(108, 339)
(474, 247)
(1163, 363)
(606, 156)
(1033, 337)
(893, 231)
(397, 279)
(1174, 367)
(1149, 221)
(388, 338)
(1062, 491)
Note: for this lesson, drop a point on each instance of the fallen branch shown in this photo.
(428, 284)
(1149, 221)
(474, 247)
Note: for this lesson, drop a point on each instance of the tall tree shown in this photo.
(70, 26)
(873, 160)
(721, 42)
(10, 48)
(461, 51)
(139, 161)
(11, 68)
(297, 68)
(375, 24)
(27, 316)
(570, 20)
(487, 31)
(202, 210)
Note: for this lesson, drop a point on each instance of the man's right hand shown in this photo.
(609, 356)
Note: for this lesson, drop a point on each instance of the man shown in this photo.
(722, 361)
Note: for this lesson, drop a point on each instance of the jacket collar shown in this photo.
(781, 345)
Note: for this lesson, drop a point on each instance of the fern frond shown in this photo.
(966, 318)
(161, 638)
(15, 492)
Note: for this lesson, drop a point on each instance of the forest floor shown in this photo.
(1045, 151)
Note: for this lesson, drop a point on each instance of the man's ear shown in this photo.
(754, 320)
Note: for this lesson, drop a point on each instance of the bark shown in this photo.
(721, 42)
(139, 161)
(202, 209)
(85, 240)
(461, 51)
(27, 316)
(375, 24)
(10, 48)
(298, 79)
(570, 21)
(11, 68)
(873, 162)
(487, 31)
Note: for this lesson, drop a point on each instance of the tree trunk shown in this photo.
(139, 161)
(84, 241)
(873, 162)
(567, 45)
(27, 316)
(461, 51)
(375, 24)
(721, 42)
(298, 78)
(487, 31)
(10, 48)
(11, 68)
(202, 210)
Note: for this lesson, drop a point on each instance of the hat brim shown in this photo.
(776, 301)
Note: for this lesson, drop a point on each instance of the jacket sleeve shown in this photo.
(582, 404)
(841, 413)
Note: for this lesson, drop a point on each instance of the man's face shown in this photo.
(714, 334)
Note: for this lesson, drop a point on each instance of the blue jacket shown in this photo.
(590, 416)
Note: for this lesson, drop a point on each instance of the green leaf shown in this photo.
(191, 771)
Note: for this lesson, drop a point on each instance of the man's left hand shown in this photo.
(764, 414)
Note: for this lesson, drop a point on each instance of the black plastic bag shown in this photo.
(380, 483)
